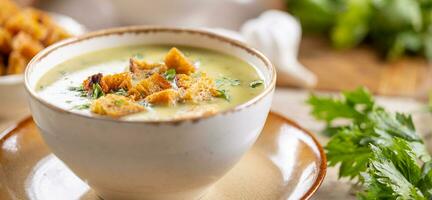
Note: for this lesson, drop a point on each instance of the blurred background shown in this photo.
(384, 45)
(322, 45)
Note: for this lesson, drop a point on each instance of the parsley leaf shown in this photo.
(97, 91)
(256, 83)
(380, 149)
(394, 169)
(226, 81)
(223, 94)
(170, 74)
(121, 92)
(138, 56)
(346, 145)
(80, 90)
(82, 106)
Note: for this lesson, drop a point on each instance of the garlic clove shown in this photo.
(277, 34)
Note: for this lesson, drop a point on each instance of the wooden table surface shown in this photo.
(348, 69)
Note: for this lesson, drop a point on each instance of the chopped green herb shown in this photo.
(68, 101)
(224, 94)
(121, 92)
(138, 56)
(119, 102)
(226, 81)
(256, 83)
(82, 106)
(62, 73)
(77, 89)
(170, 74)
(187, 53)
(80, 89)
(97, 91)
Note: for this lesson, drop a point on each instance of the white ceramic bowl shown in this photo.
(149, 160)
(13, 102)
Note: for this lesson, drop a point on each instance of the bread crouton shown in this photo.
(8, 8)
(27, 22)
(196, 88)
(93, 79)
(16, 63)
(143, 69)
(183, 80)
(2, 66)
(148, 86)
(115, 106)
(54, 35)
(164, 97)
(116, 81)
(109, 83)
(176, 60)
(26, 45)
(5, 41)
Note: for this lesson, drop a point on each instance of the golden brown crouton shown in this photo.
(143, 69)
(116, 81)
(2, 66)
(8, 8)
(183, 80)
(17, 63)
(115, 106)
(148, 86)
(196, 88)
(26, 45)
(164, 97)
(5, 41)
(93, 79)
(175, 59)
(54, 35)
(27, 22)
(109, 83)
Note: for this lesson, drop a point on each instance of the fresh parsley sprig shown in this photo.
(380, 149)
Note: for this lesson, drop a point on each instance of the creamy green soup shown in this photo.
(238, 80)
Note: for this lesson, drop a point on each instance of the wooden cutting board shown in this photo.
(348, 69)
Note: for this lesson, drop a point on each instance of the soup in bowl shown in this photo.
(150, 112)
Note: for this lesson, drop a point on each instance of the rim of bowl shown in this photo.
(152, 29)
